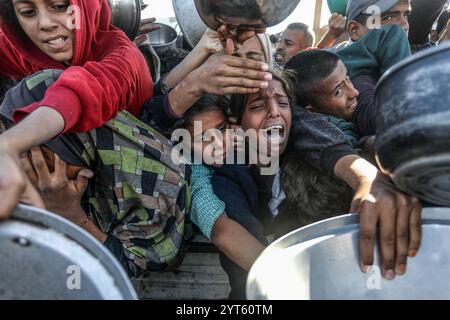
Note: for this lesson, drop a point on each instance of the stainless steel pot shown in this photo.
(163, 39)
(126, 15)
(321, 261)
(45, 257)
(245, 14)
(188, 19)
(413, 124)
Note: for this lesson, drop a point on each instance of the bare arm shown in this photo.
(212, 42)
(208, 45)
(236, 242)
(39, 127)
(336, 28)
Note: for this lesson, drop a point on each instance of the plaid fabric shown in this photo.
(138, 195)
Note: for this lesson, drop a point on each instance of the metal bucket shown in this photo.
(163, 39)
(45, 257)
(321, 261)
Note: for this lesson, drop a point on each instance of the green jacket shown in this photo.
(375, 52)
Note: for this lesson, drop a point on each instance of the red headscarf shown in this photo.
(108, 72)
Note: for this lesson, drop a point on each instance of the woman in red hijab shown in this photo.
(104, 72)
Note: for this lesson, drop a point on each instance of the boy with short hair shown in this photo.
(324, 87)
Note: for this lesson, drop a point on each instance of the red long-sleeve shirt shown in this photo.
(108, 73)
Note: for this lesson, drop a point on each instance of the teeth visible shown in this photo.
(279, 127)
(273, 133)
(56, 42)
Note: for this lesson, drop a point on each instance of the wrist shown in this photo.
(193, 85)
(334, 35)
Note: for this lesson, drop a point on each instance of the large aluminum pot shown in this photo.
(321, 261)
(126, 15)
(45, 257)
(188, 19)
(413, 124)
(245, 14)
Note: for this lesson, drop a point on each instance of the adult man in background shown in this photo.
(295, 39)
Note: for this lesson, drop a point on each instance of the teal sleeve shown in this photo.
(206, 207)
(376, 52)
(393, 47)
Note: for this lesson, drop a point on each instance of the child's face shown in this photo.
(210, 119)
(336, 95)
(269, 109)
(47, 24)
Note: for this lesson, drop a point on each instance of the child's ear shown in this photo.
(309, 108)
(353, 28)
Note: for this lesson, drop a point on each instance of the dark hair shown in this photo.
(239, 101)
(362, 18)
(5, 85)
(305, 28)
(207, 102)
(9, 18)
(307, 70)
(171, 58)
(274, 38)
(311, 195)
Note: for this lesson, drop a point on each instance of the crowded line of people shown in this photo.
(86, 133)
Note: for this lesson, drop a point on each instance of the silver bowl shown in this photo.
(163, 39)
(245, 14)
(320, 261)
(45, 257)
(126, 15)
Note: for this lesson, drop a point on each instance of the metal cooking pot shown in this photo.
(413, 124)
(245, 14)
(321, 261)
(163, 39)
(45, 257)
(126, 15)
(188, 19)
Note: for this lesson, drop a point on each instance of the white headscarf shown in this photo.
(267, 46)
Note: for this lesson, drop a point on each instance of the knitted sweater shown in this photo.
(206, 207)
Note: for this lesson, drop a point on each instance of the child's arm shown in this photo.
(41, 126)
(336, 25)
(208, 45)
(236, 242)
(88, 96)
(208, 213)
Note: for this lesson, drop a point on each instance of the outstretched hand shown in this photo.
(398, 216)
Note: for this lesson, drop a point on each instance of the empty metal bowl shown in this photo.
(45, 257)
(164, 38)
(245, 14)
(321, 261)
